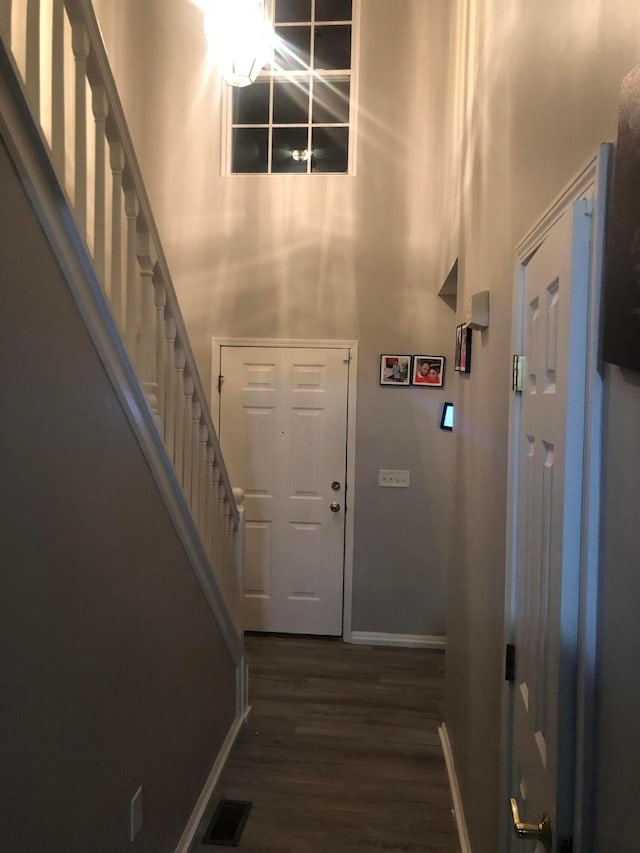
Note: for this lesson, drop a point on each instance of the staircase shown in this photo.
(63, 125)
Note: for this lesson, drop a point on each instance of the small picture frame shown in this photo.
(428, 371)
(395, 369)
(463, 349)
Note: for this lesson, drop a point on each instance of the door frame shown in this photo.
(350, 481)
(591, 181)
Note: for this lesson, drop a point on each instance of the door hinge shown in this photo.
(510, 663)
(220, 381)
(517, 371)
(565, 845)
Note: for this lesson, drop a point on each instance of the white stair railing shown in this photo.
(56, 51)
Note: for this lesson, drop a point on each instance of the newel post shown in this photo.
(238, 495)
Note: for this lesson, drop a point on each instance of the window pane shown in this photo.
(333, 10)
(288, 141)
(331, 102)
(250, 149)
(332, 47)
(293, 48)
(291, 103)
(293, 11)
(251, 104)
(330, 149)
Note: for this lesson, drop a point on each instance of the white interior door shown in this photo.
(283, 432)
(547, 549)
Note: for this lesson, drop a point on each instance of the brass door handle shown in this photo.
(334, 506)
(532, 831)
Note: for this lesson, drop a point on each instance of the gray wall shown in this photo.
(618, 707)
(541, 95)
(113, 673)
(320, 257)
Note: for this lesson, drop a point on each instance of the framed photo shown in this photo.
(428, 371)
(463, 349)
(395, 369)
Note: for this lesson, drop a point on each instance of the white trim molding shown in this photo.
(218, 342)
(187, 837)
(458, 811)
(407, 641)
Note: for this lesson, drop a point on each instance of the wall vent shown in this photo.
(227, 823)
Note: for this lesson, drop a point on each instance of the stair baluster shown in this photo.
(187, 434)
(57, 91)
(170, 386)
(178, 447)
(160, 304)
(194, 491)
(100, 107)
(132, 299)
(81, 47)
(54, 47)
(116, 157)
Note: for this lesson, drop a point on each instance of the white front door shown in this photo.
(283, 432)
(547, 550)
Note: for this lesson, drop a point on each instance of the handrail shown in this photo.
(116, 123)
(122, 238)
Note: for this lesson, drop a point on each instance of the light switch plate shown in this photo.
(393, 478)
(136, 814)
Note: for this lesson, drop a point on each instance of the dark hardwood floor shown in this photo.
(341, 753)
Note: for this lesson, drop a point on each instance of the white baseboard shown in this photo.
(458, 811)
(186, 839)
(409, 641)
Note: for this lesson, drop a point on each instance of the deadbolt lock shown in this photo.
(335, 486)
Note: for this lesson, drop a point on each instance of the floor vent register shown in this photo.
(227, 823)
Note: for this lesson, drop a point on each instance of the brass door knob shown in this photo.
(334, 506)
(532, 831)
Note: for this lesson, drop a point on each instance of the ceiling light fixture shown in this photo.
(239, 36)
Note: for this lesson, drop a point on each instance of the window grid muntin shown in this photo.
(313, 78)
(310, 75)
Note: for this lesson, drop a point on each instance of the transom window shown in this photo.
(296, 117)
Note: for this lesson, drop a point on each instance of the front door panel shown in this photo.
(283, 427)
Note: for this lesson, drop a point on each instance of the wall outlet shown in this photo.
(135, 814)
(394, 479)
